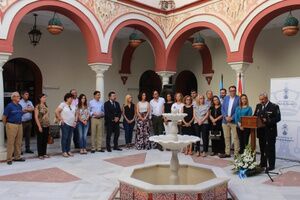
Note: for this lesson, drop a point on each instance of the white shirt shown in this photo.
(231, 100)
(26, 104)
(68, 113)
(177, 107)
(157, 106)
(143, 106)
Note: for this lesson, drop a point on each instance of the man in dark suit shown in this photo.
(270, 116)
(112, 117)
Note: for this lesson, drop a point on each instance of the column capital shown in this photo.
(239, 67)
(167, 74)
(4, 58)
(99, 68)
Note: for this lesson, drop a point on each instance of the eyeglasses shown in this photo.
(232, 90)
(70, 108)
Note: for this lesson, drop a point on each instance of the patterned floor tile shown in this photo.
(49, 175)
(127, 161)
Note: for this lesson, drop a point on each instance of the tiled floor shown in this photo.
(95, 176)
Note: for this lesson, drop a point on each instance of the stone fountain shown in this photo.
(173, 180)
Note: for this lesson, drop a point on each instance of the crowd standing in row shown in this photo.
(214, 118)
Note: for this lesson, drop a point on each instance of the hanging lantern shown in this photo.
(55, 26)
(134, 39)
(199, 42)
(290, 27)
(35, 34)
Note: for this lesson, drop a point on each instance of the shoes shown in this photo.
(118, 149)
(65, 155)
(213, 154)
(41, 157)
(70, 154)
(224, 156)
(46, 156)
(29, 151)
(19, 160)
(92, 151)
(100, 150)
(109, 150)
(9, 162)
(203, 154)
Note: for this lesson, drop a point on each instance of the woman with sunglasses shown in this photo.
(83, 122)
(66, 115)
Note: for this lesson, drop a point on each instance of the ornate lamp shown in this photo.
(55, 26)
(134, 39)
(35, 34)
(167, 4)
(199, 42)
(290, 27)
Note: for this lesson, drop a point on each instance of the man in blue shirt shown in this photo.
(28, 108)
(229, 124)
(96, 107)
(12, 120)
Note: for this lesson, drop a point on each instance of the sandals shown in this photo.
(70, 154)
(46, 156)
(65, 155)
(198, 154)
(41, 157)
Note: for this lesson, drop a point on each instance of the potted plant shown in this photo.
(199, 42)
(55, 26)
(245, 164)
(290, 27)
(134, 40)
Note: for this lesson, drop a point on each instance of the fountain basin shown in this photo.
(151, 181)
(168, 142)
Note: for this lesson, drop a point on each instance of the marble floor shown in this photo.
(95, 176)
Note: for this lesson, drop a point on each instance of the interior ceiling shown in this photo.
(45, 16)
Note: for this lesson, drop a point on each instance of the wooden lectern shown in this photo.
(252, 122)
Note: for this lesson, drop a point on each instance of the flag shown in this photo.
(240, 85)
(221, 86)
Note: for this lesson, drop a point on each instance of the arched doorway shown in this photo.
(149, 82)
(185, 82)
(21, 74)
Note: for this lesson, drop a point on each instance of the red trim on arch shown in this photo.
(206, 59)
(79, 18)
(180, 37)
(153, 36)
(245, 52)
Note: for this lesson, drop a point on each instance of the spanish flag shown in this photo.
(240, 85)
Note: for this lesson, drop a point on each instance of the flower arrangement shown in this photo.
(245, 164)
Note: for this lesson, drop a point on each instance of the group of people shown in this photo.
(209, 117)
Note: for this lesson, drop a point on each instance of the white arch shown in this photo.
(131, 16)
(17, 6)
(205, 18)
(248, 20)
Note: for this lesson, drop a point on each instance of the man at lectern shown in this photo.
(270, 116)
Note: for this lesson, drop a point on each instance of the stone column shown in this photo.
(240, 68)
(165, 76)
(3, 59)
(100, 68)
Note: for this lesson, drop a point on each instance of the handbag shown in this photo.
(50, 139)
